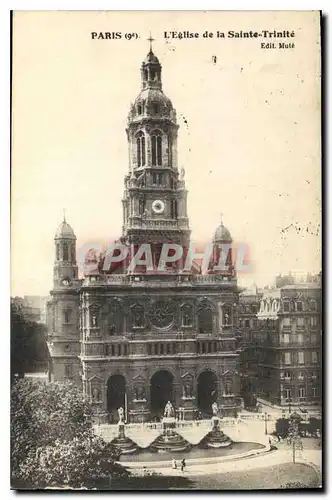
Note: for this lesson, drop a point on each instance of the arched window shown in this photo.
(174, 209)
(187, 315)
(73, 256)
(313, 305)
(205, 321)
(57, 250)
(156, 148)
(169, 146)
(140, 142)
(65, 251)
(299, 306)
(67, 315)
(139, 109)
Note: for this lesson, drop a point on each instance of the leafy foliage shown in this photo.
(52, 437)
(282, 425)
(27, 342)
(314, 426)
(293, 485)
(75, 463)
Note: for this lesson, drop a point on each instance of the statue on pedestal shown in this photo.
(214, 409)
(121, 415)
(169, 410)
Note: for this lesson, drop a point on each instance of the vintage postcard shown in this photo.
(166, 309)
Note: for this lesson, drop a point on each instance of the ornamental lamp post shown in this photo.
(289, 406)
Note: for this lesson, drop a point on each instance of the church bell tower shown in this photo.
(155, 197)
(65, 265)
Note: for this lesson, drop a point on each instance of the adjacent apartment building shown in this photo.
(281, 344)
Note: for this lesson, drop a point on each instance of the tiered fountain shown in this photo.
(124, 443)
(169, 441)
(215, 438)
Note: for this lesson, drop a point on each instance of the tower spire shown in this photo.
(64, 215)
(150, 39)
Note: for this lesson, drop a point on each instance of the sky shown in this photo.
(249, 136)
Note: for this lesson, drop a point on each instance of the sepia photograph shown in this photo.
(166, 260)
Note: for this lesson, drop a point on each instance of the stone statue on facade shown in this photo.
(182, 174)
(188, 390)
(169, 410)
(139, 393)
(95, 394)
(121, 415)
(229, 387)
(214, 409)
(226, 319)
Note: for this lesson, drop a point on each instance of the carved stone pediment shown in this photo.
(229, 373)
(95, 378)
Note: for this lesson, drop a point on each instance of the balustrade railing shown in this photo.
(111, 430)
(148, 280)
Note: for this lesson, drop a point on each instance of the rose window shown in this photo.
(162, 314)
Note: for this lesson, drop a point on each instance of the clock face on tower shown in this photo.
(158, 206)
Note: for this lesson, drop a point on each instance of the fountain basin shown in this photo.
(127, 446)
(169, 441)
(219, 445)
(215, 438)
(196, 455)
(124, 443)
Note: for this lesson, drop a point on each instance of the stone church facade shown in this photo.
(139, 338)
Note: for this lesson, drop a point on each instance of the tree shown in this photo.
(27, 342)
(49, 420)
(294, 438)
(314, 426)
(293, 485)
(282, 425)
(76, 463)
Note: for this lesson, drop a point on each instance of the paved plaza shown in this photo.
(222, 470)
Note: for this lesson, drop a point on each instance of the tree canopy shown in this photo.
(27, 342)
(52, 439)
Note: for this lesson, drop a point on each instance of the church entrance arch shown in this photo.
(161, 391)
(116, 391)
(206, 392)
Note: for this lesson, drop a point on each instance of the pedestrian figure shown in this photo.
(174, 464)
(183, 464)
